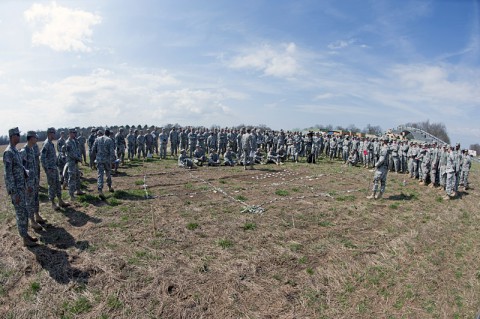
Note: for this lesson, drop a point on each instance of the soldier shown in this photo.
(426, 165)
(149, 142)
(61, 141)
(466, 165)
(212, 141)
(247, 149)
(458, 166)
(443, 167)
(333, 147)
(450, 170)
(183, 160)
(192, 141)
(141, 145)
(183, 139)
(131, 145)
(213, 158)
(91, 139)
(103, 147)
(49, 164)
(32, 181)
(73, 158)
(229, 157)
(395, 156)
(81, 143)
(381, 171)
(174, 141)
(199, 156)
(155, 140)
(434, 161)
(232, 140)
(163, 140)
(120, 145)
(222, 141)
(15, 175)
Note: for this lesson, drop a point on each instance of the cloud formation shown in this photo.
(61, 28)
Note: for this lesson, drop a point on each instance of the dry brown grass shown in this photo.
(319, 250)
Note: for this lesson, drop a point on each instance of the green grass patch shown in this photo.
(114, 202)
(345, 198)
(192, 226)
(139, 182)
(225, 243)
(114, 303)
(295, 246)
(240, 198)
(394, 206)
(281, 192)
(79, 306)
(249, 226)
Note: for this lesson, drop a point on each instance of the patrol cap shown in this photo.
(93, 130)
(13, 131)
(72, 130)
(51, 130)
(32, 134)
(99, 131)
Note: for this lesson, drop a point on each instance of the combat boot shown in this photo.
(35, 225)
(79, 192)
(110, 189)
(431, 185)
(55, 206)
(101, 195)
(62, 203)
(39, 219)
(29, 241)
(379, 195)
(421, 183)
(372, 196)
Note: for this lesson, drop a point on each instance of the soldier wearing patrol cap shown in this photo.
(105, 151)
(32, 181)
(15, 181)
(381, 171)
(49, 163)
(91, 139)
(73, 158)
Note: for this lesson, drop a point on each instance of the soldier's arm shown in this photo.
(8, 173)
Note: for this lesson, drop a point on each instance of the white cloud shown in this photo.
(272, 62)
(61, 28)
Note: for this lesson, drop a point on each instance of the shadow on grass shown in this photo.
(401, 196)
(133, 194)
(60, 238)
(78, 218)
(57, 264)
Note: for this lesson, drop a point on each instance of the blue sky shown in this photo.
(286, 64)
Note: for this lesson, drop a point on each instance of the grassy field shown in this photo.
(291, 241)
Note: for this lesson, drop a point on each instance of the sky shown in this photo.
(280, 63)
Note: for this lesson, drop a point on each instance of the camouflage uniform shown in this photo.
(32, 182)
(73, 158)
(192, 142)
(247, 149)
(104, 149)
(90, 141)
(184, 160)
(15, 182)
(174, 141)
(141, 145)
(222, 141)
(466, 165)
(131, 145)
(450, 170)
(381, 172)
(149, 142)
(120, 145)
(81, 143)
(49, 164)
(163, 140)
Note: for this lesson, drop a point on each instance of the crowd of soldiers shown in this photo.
(441, 166)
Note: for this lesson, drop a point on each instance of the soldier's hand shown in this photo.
(29, 190)
(17, 199)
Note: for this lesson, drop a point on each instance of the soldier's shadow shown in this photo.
(401, 196)
(57, 261)
(78, 218)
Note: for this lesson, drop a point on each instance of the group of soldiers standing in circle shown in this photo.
(442, 166)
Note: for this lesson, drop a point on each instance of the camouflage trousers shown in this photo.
(21, 212)
(32, 202)
(443, 176)
(73, 178)
(163, 151)
(380, 179)
(141, 151)
(425, 171)
(173, 148)
(450, 183)
(464, 177)
(104, 168)
(396, 163)
(54, 187)
(131, 151)
(120, 152)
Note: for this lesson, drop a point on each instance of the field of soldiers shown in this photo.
(297, 240)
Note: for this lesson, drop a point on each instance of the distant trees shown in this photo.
(475, 147)
(373, 130)
(436, 129)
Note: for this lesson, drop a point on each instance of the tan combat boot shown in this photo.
(39, 218)
(55, 206)
(101, 195)
(35, 225)
(379, 195)
(62, 203)
(372, 196)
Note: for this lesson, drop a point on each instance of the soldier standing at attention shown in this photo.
(30, 161)
(149, 142)
(104, 149)
(450, 171)
(381, 171)
(120, 145)
(466, 165)
(247, 149)
(131, 145)
(192, 142)
(81, 143)
(49, 163)
(73, 158)
(174, 139)
(15, 182)
(141, 145)
(163, 140)
(90, 141)
(61, 141)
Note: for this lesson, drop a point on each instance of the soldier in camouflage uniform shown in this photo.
(81, 143)
(15, 183)
(103, 147)
(426, 165)
(174, 141)
(61, 141)
(222, 141)
(192, 142)
(381, 172)
(131, 145)
(450, 170)
(247, 149)
(434, 161)
(443, 167)
(30, 161)
(91, 139)
(149, 142)
(73, 158)
(466, 166)
(141, 145)
(120, 145)
(49, 164)
(163, 140)
(184, 160)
